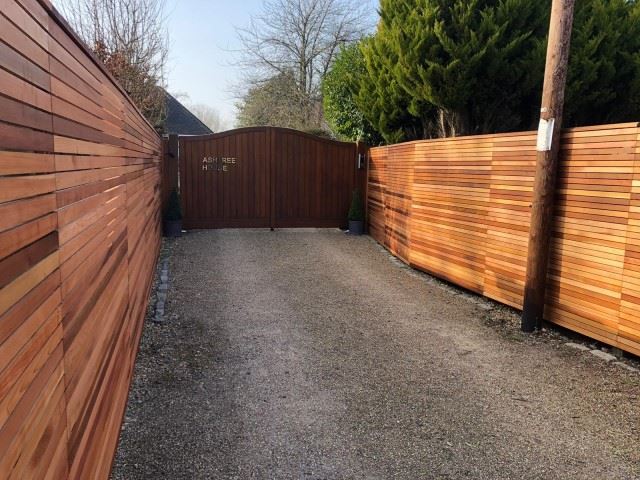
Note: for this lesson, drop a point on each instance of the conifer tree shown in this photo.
(604, 64)
(473, 60)
(438, 68)
(384, 102)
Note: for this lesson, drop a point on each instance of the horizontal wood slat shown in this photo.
(79, 236)
(458, 208)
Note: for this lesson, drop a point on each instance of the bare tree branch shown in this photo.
(130, 37)
(300, 38)
(209, 116)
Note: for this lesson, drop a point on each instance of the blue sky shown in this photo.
(202, 38)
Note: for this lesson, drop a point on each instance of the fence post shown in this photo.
(174, 146)
(548, 146)
(362, 179)
(169, 168)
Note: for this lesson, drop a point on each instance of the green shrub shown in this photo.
(173, 211)
(319, 132)
(340, 86)
(356, 212)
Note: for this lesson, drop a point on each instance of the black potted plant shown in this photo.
(356, 214)
(172, 222)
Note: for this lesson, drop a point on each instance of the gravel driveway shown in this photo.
(312, 354)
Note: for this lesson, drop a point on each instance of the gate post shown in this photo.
(174, 146)
(169, 167)
(362, 179)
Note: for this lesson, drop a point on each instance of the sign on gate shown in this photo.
(217, 164)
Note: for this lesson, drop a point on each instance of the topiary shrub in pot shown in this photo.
(172, 221)
(356, 214)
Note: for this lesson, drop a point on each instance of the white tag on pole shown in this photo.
(545, 134)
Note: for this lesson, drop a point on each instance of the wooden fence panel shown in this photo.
(376, 197)
(629, 318)
(389, 200)
(459, 209)
(79, 236)
(592, 208)
(512, 169)
(450, 195)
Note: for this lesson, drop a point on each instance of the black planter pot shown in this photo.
(172, 228)
(356, 227)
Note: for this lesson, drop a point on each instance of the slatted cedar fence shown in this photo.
(79, 236)
(459, 208)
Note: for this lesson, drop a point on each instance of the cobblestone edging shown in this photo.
(602, 355)
(162, 290)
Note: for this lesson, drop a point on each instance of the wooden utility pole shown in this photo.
(548, 146)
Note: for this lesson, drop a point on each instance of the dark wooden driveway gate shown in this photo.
(266, 177)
